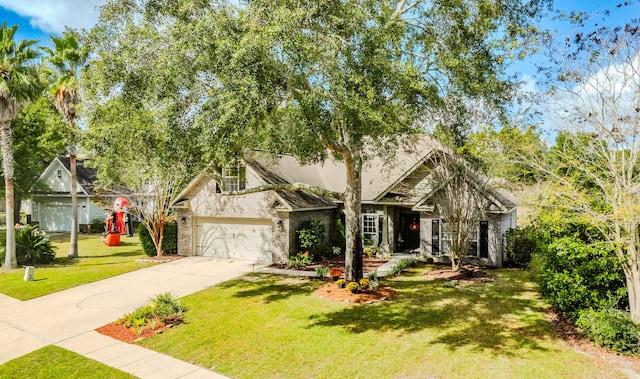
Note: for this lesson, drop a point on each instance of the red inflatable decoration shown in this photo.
(116, 222)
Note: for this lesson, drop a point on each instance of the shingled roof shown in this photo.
(87, 176)
(379, 176)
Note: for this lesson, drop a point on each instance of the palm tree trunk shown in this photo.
(17, 204)
(73, 246)
(7, 165)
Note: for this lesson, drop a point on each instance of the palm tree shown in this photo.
(19, 84)
(66, 60)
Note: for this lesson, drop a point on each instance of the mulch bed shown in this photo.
(467, 274)
(164, 258)
(368, 264)
(120, 332)
(332, 292)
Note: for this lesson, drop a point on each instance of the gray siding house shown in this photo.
(398, 209)
(52, 208)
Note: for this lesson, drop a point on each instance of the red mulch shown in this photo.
(120, 332)
(332, 292)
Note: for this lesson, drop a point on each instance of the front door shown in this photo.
(410, 231)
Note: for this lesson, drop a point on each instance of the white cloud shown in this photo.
(52, 16)
(529, 84)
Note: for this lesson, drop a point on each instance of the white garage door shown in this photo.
(55, 217)
(235, 238)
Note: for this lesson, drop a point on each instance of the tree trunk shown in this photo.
(156, 232)
(632, 274)
(73, 246)
(17, 203)
(352, 202)
(7, 165)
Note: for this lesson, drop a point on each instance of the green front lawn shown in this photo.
(96, 261)
(263, 326)
(55, 362)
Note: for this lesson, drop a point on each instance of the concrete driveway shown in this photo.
(52, 319)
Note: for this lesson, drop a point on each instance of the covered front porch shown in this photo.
(399, 229)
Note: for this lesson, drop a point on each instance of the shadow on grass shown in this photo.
(483, 317)
(270, 288)
(61, 262)
(120, 254)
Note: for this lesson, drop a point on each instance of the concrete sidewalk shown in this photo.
(68, 318)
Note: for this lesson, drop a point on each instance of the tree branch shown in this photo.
(289, 187)
(401, 9)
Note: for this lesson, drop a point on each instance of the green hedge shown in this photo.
(522, 244)
(574, 275)
(169, 239)
(610, 328)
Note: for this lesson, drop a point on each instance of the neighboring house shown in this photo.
(52, 209)
(398, 212)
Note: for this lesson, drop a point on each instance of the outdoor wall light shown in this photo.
(183, 220)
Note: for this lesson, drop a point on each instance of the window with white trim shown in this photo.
(234, 177)
(370, 227)
(445, 240)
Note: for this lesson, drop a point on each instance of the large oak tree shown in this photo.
(317, 78)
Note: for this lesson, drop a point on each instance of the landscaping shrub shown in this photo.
(372, 251)
(311, 235)
(322, 271)
(32, 246)
(401, 265)
(300, 260)
(521, 244)
(610, 328)
(573, 275)
(338, 239)
(97, 226)
(169, 239)
(164, 308)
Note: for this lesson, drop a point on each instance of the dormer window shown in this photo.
(234, 177)
(59, 174)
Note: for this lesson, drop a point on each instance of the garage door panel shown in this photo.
(56, 217)
(233, 239)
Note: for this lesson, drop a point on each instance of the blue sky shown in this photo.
(38, 19)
